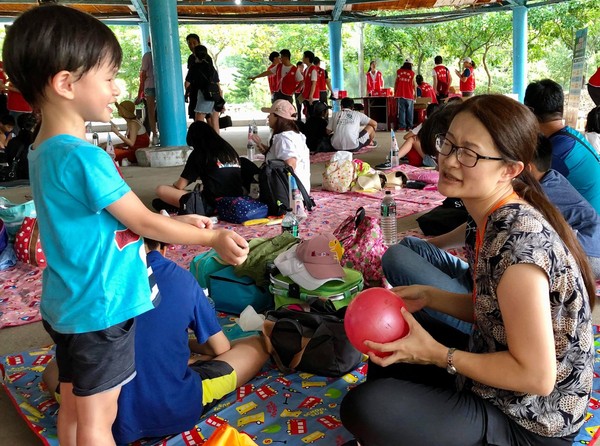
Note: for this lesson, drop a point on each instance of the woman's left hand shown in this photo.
(417, 347)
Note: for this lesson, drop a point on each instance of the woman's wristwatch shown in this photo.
(450, 362)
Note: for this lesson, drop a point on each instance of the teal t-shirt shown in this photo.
(96, 275)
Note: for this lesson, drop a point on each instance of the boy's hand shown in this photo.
(200, 221)
(232, 247)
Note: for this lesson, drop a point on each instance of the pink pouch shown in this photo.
(27, 243)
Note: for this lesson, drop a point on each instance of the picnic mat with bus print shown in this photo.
(272, 408)
(21, 286)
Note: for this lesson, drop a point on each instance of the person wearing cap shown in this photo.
(270, 72)
(467, 77)
(318, 138)
(351, 130)
(287, 143)
(135, 137)
(593, 87)
(374, 79)
(405, 90)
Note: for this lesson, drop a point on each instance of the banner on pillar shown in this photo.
(577, 73)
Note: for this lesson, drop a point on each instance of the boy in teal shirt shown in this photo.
(64, 62)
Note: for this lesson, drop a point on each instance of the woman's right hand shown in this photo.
(416, 297)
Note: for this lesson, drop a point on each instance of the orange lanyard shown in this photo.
(479, 240)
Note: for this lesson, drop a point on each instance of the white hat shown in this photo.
(467, 59)
(408, 60)
(290, 266)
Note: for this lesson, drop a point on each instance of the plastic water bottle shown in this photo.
(394, 159)
(251, 146)
(388, 219)
(95, 139)
(290, 223)
(110, 148)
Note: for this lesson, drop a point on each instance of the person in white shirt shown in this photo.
(287, 142)
(352, 130)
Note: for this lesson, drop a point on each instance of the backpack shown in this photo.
(312, 341)
(274, 185)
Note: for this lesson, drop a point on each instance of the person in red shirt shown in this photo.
(374, 79)
(275, 59)
(323, 82)
(593, 87)
(467, 78)
(424, 90)
(442, 79)
(310, 91)
(404, 89)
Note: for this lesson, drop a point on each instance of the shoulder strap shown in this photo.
(308, 201)
(582, 142)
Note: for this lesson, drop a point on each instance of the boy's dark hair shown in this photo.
(438, 122)
(273, 56)
(593, 120)
(8, 120)
(316, 60)
(347, 103)
(192, 36)
(406, 66)
(545, 99)
(542, 159)
(438, 60)
(51, 38)
(310, 56)
(299, 63)
(285, 53)
(154, 245)
(419, 79)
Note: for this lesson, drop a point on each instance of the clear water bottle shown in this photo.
(388, 219)
(251, 146)
(95, 139)
(110, 148)
(394, 158)
(290, 223)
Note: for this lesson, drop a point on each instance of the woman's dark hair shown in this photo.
(48, 39)
(514, 130)
(283, 125)
(407, 66)
(437, 122)
(593, 120)
(211, 147)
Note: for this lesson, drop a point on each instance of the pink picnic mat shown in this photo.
(21, 285)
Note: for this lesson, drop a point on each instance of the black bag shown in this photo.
(224, 121)
(273, 182)
(191, 203)
(212, 92)
(310, 341)
(444, 218)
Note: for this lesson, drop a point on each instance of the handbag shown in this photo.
(340, 173)
(240, 209)
(224, 121)
(205, 264)
(191, 203)
(362, 239)
(312, 341)
(27, 243)
(232, 293)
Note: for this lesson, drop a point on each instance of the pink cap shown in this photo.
(321, 256)
(282, 108)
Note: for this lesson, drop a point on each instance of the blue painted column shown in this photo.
(519, 51)
(145, 35)
(166, 57)
(335, 55)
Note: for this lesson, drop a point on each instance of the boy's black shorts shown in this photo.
(96, 361)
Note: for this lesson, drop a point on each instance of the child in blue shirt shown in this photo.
(90, 221)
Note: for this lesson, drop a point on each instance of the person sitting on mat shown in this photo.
(352, 130)
(524, 375)
(162, 355)
(136, 136)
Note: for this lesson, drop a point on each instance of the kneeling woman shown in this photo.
(214, 161)
(524, 375)
(136, 135)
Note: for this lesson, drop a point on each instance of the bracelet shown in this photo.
(450, 368)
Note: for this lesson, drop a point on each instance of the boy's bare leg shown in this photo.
(66, 423)
(95, 417)
(246, 356)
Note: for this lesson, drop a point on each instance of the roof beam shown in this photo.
(141, 11)
(337, 9)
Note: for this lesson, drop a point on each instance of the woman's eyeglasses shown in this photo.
(465, 156)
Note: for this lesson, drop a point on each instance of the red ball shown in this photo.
(375, 315)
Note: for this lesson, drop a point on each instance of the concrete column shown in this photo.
(166, 57)
(519, 51)
(335, 55)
